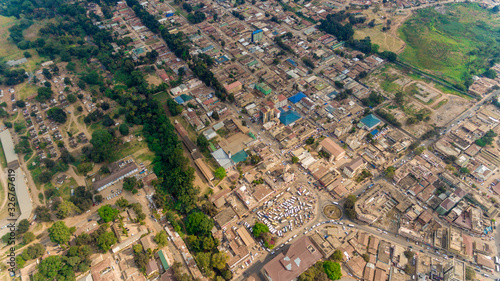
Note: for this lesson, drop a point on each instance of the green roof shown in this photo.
(163, 260)
(239, 157)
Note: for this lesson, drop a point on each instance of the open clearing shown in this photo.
(386, 40)
(451, 41)
(423, 99)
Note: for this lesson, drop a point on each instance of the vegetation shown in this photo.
(451, 44)
(390, 172)
(107, 213)
(59, 233)
(349, 207)
(332, 270)
(314, 273)
(487, 139)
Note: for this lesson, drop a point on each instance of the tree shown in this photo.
(390, 172)
(203, 261)
(129, 183)
(44, 94)
(23, 226)
(161, 238)
(122, 202)
(310, 140)
(198, 223)
(106, 240)
(390, 56)
(337, 255)
(66, 209)
(295, 159)
(464, 170)
(49, 267)
(258, 229)
(409, 254)
(71, 98)
(349, 206)
(107, 213)
(332, 269)
(28, 237)
(220, 173)
(103, 145)
(123, 129)
(215, 115)
(219, 260)
(59, 233)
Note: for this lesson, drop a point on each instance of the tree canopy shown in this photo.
(107, 213)
(199, 224)
(59, 233)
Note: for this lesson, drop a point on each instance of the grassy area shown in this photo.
(27, 90)
(3, 161)
(451, 42)
(65, 189)
(4, 210)
(161, 97)
(385, 40)
(441, 103)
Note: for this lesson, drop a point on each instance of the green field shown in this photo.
(452, 41)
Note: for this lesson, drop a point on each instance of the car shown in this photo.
(90, 220)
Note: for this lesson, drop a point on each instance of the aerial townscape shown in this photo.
(249, 140)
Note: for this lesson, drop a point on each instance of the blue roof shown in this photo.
(257, 31)
(370, 121)
(179, 100)
(239, 157)
(292, 62)
(297, 97)
(206, 49)
(289, 117)
(333, 94)
(374, 132)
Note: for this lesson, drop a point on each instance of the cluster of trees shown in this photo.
(487, 139)
(77, 259)
(322, 271)
(12, 76)
(196, 17)
(131, 183)
(93, 116)
(57, 115)
(333, 25)
(279, 41)
(349, 207)
(261, 231)
(388, 117)
(238, 15)
(373, 99)
(34, 251)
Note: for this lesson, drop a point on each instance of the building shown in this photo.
(207, 173)
(263, 88)
(297, 97)
(223, 159)
(257, 35)
(292, 262)
(370, 122)
(152, 268)
(454, 270)
(266, 114)
(354, 167)
(234, 87)
(289, 117)
(22, 195)
(126, 171)
(8, 150)
(332, 148)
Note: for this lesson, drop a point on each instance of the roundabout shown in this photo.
(332, 212)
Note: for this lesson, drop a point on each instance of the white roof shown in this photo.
(8, 146)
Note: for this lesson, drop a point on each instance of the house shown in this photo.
(354, 167)
(332, 148)
(291, 263)
(370, 122)
(234, 87)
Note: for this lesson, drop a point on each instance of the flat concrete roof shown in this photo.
(8, 149)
